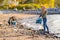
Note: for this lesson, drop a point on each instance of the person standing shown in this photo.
(44, 17)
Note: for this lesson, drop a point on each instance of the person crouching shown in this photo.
(12, 21)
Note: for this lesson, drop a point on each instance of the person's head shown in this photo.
(12, 17)
(43, 7)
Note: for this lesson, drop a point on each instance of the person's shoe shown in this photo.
(47, 32)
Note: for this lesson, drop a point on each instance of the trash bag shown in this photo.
(39, 20)
(14, 23)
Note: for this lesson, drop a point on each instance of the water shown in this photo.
(53, 23)
(31, 23)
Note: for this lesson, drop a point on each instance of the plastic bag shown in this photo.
(39, 20)
(14, 22)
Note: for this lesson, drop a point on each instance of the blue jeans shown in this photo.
(45, 25)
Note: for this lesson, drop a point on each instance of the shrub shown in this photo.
(1, 7)
(12, 6)
(19, 7)
(36, 6)
(28, 7)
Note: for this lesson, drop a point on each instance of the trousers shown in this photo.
(45, 25)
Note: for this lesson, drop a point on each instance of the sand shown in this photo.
(10, 33)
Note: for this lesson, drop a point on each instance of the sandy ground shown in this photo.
(10, 33)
